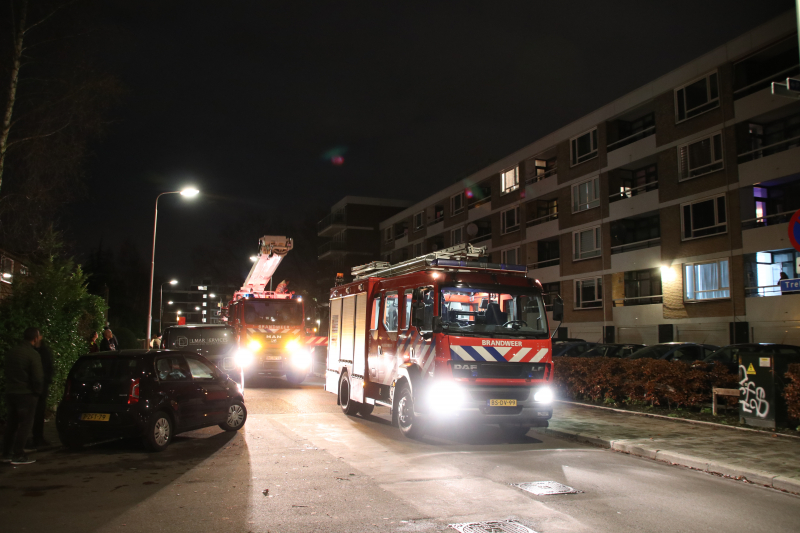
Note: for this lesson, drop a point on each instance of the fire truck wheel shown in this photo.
(349, 407)
(410, 425)
(366, 409)
(515, 431)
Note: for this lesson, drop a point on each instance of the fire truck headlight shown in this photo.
(301, 359)
(293, 347)
(243, 358)
(543, 395)
(254, 346)
(445, 396)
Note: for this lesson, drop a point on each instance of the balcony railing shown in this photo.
(540, 177)
(332, 246)
(764, 151)
(630, 139)
(766, 82)
(477, 202)
(769, 220)
(544, 264)
(332, 219)
(437, 218)
(763, 290)
(542, 220)
(633, 191)
(640, 245)
(480, 237)
(637, 300)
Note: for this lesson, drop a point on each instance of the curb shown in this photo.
(759, 477)
(676, 419)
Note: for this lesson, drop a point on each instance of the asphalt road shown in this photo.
(323, 471)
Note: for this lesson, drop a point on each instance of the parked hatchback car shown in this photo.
(675, 351)
(571, 349)
(729, 355)
(150, 394)
(613, 350)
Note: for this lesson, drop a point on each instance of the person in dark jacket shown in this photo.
(24, 380)
(93, 347)
(109, 342)
(41, 406)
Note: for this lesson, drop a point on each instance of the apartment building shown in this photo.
(351, 235)
(200, 302)
(661, 216)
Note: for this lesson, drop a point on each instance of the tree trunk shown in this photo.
(12, 89)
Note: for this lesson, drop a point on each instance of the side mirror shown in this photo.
(558, 309)
(437, 324)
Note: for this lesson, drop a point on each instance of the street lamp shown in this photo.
(161, 304)
(189, 192)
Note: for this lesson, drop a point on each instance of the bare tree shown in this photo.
(54, 103)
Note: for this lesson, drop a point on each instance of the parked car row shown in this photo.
(676, 351)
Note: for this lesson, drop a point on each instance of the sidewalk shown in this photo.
(755, 456)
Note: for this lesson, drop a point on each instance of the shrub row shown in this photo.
(792, 392)
(636, 381)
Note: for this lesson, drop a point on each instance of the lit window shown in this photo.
(583, 147)
(509, 180)
(586, 195)
(703, 218)
(706, 281)
(696, 97)
(586, 243)
(509, 220)
(700, 157)
(588, 293)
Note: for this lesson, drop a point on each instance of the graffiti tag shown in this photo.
(752, 397)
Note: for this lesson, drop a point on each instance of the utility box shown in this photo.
(761, 382)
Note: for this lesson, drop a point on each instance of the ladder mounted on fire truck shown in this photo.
(462, 257)
(271, 251)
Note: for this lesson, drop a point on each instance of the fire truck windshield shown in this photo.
(273, 312)
(516, 312)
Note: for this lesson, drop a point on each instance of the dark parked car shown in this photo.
(729, 355)
(613, 350)
(571, 349)
(215, 342)
(151, 394)
(675, 351)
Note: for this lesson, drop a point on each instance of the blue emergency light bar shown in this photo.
(453, 263)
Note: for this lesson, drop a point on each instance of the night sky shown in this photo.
(244, 98)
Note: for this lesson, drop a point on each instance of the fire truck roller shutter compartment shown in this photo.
(334, 347)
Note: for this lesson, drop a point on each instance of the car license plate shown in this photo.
(95, 417)
(502, 403)
(272, 357)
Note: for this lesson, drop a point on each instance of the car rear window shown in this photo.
(106, 368)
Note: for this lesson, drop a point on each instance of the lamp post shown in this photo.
(188, 193)
(161, 304)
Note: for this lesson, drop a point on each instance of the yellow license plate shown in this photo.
(272, 357)
(502, 403)
(96, 417)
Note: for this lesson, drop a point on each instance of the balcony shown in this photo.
(769, 162)
(772, 307)
(332, 224)
(766, 233)
(638, 300)
(545, 271)
(644, 255)
(542, 227)
(541, 184)
(640, 245)
(480, 209)
(552, 172)
(632, 148)
(623, 206)
(331, 249)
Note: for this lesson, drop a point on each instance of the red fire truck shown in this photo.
(271, 332)
(442, 335)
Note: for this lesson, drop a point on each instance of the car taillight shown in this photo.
(133, 393)
(68, 390)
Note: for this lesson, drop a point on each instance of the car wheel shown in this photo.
(235, 418)
(295, 378)
(159, 432)
(410, 424)
(515, 431)
(71, 442)
(366, 409)
(349, 407)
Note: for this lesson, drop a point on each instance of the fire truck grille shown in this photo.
(471, 369)
(518, 393)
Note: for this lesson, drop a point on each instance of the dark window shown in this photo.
(172, 368)
(639, 181)
(633, 230)
(643, 287)
(199, 369)
(548, 251)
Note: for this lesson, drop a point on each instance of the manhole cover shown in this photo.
(494, 526)
(544, 488)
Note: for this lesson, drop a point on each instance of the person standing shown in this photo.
(93, 347)
(24, 379)
(41, 406)
(108, 344)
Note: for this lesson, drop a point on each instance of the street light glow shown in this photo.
(212, 295)
(196, 308)
(190, 192)
(253, 258)
(179, 311)
(173, 282)
(169, 302)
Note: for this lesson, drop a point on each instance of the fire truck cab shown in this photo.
(440, 336)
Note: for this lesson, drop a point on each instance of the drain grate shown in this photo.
(493, 526)
(546, 488)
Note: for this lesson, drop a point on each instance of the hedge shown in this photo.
(636, 381)
(792, 392)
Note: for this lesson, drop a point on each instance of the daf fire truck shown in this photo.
(443, 335)
(270, 327)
